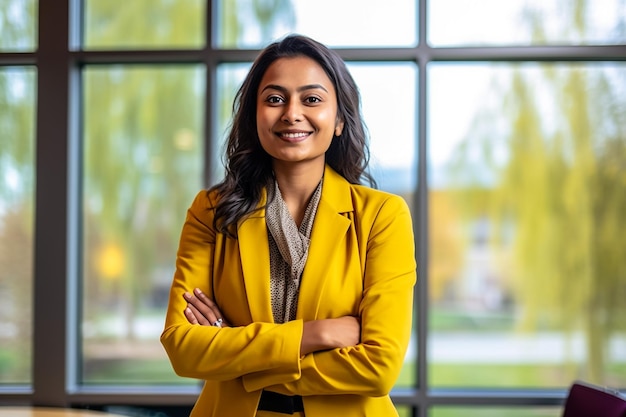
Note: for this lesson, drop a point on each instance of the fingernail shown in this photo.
(197, 291)
(187, 295)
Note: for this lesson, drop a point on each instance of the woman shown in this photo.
(293, 285)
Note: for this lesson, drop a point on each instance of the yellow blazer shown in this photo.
(361, 262)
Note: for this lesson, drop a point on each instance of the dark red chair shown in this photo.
(587, 400)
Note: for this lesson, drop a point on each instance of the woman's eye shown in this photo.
(274, 100)
(312, 100)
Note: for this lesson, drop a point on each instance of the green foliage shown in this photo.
(14, 364)
(18, 25)
(561, 192)
(142, 166)
(561, 245)
(114, 24)
(145, 371)
(17, 114)
(17, 130)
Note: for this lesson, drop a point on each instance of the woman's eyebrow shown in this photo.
(299, 89)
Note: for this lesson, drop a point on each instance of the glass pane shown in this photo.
(472, 411)
(527, 192)
(115, 24)
(526, 22)
(355, 23)
(392, 129)
(143, 164)
(18, 25)
(17, 187)
(229, 79)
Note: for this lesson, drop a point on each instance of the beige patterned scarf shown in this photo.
(289, 248)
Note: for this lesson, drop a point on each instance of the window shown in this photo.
(508, 145)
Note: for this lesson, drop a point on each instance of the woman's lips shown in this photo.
(293, 136)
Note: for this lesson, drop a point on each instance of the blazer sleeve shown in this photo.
(371, 368)
(207, 352)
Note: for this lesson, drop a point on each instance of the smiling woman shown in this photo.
(293, 290)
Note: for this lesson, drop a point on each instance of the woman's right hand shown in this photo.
(330, 334)
(202, 310)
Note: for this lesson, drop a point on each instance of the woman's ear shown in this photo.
(339, 128)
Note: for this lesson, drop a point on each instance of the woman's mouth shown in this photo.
(293, 136)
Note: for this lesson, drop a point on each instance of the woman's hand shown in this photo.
(202, 310)
(330, 334)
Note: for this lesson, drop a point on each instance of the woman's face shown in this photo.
(296, 111)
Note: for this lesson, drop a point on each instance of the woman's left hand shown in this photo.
(202, 310)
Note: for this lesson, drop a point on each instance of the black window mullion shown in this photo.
(51, 207)
(210, 98)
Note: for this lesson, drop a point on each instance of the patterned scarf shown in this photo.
(289, 248)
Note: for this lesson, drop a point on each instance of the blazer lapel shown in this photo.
(328, 234)
(255, 255)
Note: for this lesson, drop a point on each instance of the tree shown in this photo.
(562, 189)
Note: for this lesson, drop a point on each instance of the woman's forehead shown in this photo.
(296, 72)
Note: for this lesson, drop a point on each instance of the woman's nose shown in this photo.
(293, 112)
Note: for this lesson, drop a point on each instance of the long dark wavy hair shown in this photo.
(249, 167)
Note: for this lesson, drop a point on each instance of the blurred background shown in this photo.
(502, 124)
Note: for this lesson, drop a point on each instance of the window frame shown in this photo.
(59, 61)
